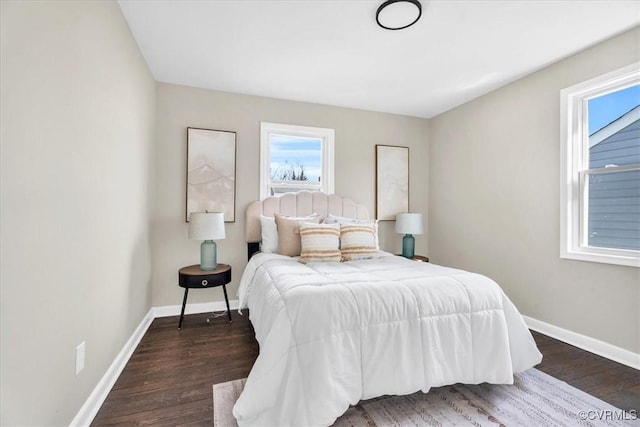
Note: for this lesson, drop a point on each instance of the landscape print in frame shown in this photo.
(392, 181)
(211, 172)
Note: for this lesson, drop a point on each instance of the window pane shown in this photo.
(600, 209)
(614, 128)
(295, 158)
(295, 163)
(614, 210)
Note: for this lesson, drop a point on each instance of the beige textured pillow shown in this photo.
(357, 241)
(269, 232)
(320, 242)
(289, 234)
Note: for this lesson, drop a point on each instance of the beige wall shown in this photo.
(494, 201)
(77, 119)
(357, 132)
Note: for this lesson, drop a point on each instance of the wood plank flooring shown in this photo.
(607, 380)
(168, 380)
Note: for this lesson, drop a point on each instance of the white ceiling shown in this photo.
(333, 52)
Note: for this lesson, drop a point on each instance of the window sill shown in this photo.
(630, 260)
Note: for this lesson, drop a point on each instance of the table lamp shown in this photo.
(409, 223)
(207, 226)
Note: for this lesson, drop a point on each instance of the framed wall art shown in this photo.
(211, 172)
(392, 181)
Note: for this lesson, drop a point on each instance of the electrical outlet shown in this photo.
(79, 357)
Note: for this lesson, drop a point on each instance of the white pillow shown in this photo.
(334, 219)
(270, 232)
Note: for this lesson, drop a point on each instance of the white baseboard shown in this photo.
(584, 342)
(94, 402)
(92, 405)
(206, 307)
(97, 397)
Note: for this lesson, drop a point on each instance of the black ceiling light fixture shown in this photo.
(398, 14)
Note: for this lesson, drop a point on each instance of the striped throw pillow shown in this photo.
(357, 241)
(319, 242)
(332, 219)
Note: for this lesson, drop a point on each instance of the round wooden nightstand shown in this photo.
(192, 277)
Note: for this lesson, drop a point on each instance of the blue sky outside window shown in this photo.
(288, 152)
(607, 108)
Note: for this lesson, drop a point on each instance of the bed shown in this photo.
(334, 333)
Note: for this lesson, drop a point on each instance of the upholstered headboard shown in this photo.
(299, 204)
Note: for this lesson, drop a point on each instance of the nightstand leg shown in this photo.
(224, 288)
(184, 302)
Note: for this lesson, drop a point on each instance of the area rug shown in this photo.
(535, 399)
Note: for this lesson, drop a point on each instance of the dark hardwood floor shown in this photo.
(168, 380)
(610, 381)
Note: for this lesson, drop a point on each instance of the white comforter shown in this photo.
(331, 334)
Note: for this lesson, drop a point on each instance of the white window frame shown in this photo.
(326, 135)
(575, 169)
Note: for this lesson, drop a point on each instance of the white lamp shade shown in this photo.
(206, 226)
(409, 223)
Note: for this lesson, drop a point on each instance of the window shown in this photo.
(600, 195)
(295, 158)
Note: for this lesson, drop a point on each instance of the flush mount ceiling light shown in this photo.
(398, 14)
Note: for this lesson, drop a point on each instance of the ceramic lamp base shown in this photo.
(208, 255)
(408, 246)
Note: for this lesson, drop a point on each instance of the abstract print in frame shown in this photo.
(211, 172)
(392, 181)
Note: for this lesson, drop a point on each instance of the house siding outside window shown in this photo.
(614, 198)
